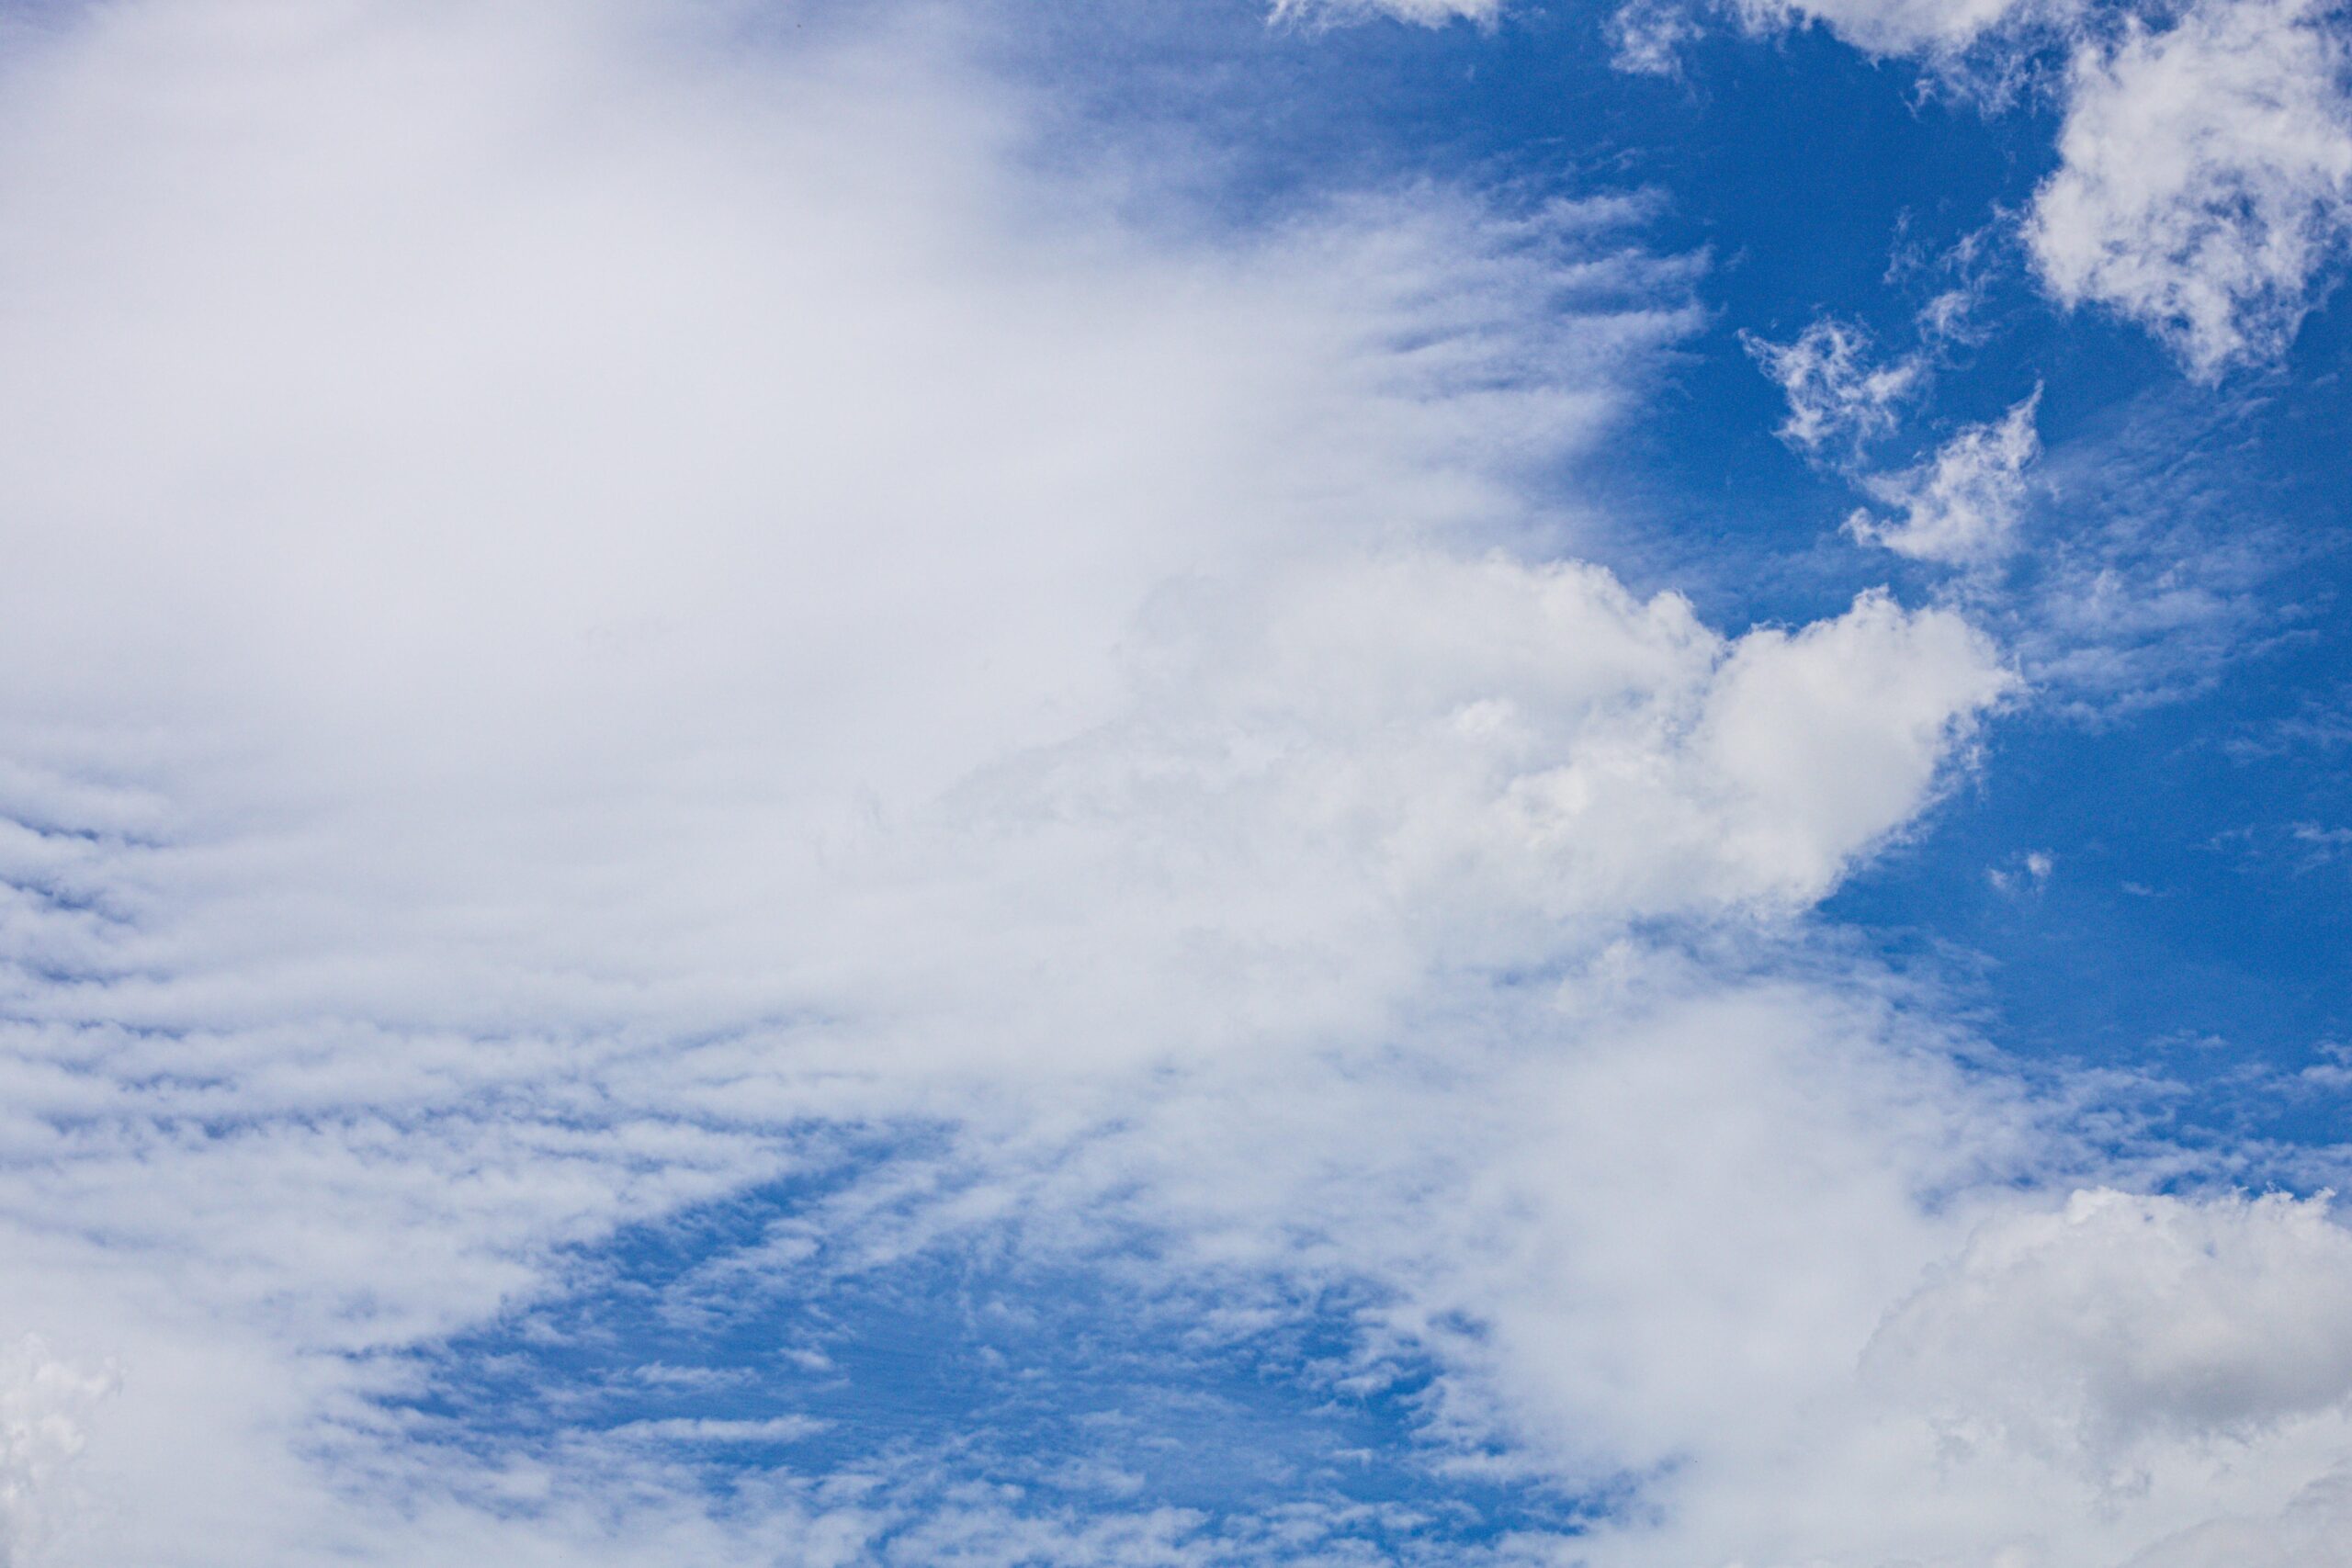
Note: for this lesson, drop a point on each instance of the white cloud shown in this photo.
(1961, 507)
(1424, 13)
(1646, 37)
(577, 631)
(1816, 1314)
(1838, 395)
(44, 1408)
(2123, 1321)
(593, 597)
(1470, 744)
(2032, 872)
(716, 1429)
(2204, 187)
(1932, 28)
(2310, 1532)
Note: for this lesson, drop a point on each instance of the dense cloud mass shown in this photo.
(2125, 1318)
(2205, 177)
(2307, 1533)
(607, 602)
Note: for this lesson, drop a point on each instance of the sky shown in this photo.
(1175, 783)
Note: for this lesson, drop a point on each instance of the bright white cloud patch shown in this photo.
(1839, 394)
(1646, 37)
(2124, 1321)
(2204, 187)
(576, 631)
(1891, 27)
(1962, 505)
(44, 1408)
(593, 595)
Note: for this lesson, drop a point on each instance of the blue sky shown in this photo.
(1151, 786)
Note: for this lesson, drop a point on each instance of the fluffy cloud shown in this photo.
(600, 600)
(1962, 505)
(576, 633)
(2309, 1532)
(2204, 183)
(2205, 177)
(44, 1407)
(2123, 1320)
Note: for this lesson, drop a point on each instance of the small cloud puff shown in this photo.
(1837, 392)
(1961, 507)
(2030, 873)
(719, 1430)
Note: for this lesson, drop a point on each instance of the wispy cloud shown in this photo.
(1841, 393)
(615, 611)
(1962, 505)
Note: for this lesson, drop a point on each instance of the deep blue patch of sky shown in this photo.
(968, 1362)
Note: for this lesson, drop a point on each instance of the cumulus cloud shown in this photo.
(1962, 505)
(2309, 1532)
(2204, 186)
(2126, 1319)
(1478, 738)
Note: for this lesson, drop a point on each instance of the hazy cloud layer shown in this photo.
(601, 596)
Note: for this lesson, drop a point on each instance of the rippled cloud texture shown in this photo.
(642, 631)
